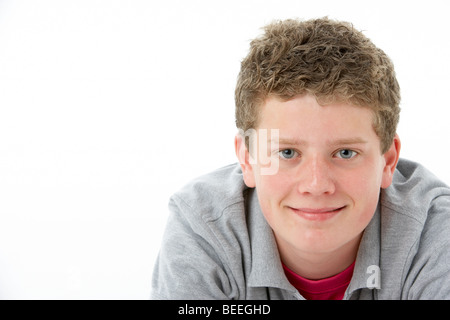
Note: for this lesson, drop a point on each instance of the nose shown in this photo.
(315, 177)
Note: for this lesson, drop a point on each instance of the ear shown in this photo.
(391, 159)
(244, 160)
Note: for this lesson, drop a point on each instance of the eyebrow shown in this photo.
(346, 141)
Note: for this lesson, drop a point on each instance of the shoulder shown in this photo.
(416, 192)
(416, 209)
(200, 247)
(415, 219)
(209, 195)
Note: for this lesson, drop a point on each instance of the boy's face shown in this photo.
(330, 171)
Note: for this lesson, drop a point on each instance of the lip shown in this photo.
(317, 214)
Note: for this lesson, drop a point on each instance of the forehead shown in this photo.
(303, 119)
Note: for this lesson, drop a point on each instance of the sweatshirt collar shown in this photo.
(267, 270)
(367, 266)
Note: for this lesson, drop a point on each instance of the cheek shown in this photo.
(275, 186)
(363, 179)
(271, 190)
(364, 188)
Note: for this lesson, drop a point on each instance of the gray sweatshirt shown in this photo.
(218, 245)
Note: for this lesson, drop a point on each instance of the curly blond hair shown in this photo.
(326, 58)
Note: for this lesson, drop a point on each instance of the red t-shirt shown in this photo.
(332, 288)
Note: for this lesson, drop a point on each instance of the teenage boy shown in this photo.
(319, 206)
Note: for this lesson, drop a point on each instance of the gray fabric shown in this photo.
(217, 244)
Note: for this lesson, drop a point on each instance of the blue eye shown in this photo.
(288, 153)
(346, 153)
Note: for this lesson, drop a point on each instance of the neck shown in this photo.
(314, 265)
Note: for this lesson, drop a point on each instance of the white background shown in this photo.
(108, 107)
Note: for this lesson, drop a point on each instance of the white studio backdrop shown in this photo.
(108, 107)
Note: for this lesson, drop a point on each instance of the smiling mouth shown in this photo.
(317, 214)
